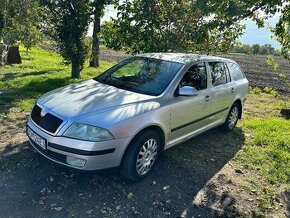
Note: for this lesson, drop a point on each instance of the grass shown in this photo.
(40, 72)
(265, 149)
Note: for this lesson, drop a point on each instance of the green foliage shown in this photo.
(254, 49)
(21, 22)
(276, 68)
(282, 31)
(151, 26)
(271, 91)
(255, 90)
(67, 24)
(182, 25)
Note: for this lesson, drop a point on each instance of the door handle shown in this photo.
(207, 98)
(233, 90)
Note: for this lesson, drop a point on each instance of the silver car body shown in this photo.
(125, 114)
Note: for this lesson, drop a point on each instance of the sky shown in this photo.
(252, 34)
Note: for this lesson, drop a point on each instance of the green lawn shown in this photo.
(40, 72)
(266, 149)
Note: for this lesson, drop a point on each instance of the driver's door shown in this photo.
(189, 113)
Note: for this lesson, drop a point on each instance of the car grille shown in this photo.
(48, 122)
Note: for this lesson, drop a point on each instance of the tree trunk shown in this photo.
(94, 62)
(75, 70)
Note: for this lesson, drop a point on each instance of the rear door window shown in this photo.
(236, 71)
(219, 73)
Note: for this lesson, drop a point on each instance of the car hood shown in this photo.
(89, 97)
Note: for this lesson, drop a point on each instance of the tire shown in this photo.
(232, 118)
(141, 156)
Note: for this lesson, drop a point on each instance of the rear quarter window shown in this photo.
(235, 71)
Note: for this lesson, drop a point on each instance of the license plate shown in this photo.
(36, 138)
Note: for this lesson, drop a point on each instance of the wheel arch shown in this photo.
(239, 103)
(153, 127)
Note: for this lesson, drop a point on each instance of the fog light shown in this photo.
(74, 161)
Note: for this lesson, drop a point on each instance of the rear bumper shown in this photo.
(96, 155)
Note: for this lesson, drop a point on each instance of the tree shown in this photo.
(282, 31)
(20, 22)
(264, 50)
(256, 49)
(98, 7)
(67, 24)
(98, 11)
(169, 25)
(155, 25)
(2, 11)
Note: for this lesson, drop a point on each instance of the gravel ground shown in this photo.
(32, 186)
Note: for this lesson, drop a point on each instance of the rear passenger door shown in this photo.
(221, 90)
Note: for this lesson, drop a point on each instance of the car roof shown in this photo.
(185, 58)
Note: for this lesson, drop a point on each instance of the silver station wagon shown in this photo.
(145, 104)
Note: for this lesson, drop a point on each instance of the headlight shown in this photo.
(88, 133)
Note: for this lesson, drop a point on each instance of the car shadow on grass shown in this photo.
(32, 186)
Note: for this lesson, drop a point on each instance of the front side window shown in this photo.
(142, 75)
(236, 71)
(219, 73)
(195, 77)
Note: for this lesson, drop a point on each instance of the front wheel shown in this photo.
(232, 118)
(141, 156)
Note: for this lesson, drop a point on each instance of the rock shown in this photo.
(239, 171)
(58, 208)
(13, 56)
(51, 179)
(89, 211)
(166, 187)
(285, 112)
(130, 195)
(3, 54)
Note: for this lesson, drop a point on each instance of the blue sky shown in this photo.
(252, 34)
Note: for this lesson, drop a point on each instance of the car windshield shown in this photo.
(142, 75)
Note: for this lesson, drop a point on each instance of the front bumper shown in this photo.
(97, 155)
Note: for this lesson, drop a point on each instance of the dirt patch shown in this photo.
(260, 74)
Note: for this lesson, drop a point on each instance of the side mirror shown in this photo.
(187, 91)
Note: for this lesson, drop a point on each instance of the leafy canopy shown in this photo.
(20, 22)
(175, 25)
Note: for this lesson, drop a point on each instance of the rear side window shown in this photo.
(236, 71)
(219, 73)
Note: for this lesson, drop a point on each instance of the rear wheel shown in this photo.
(232, 118)
(141, 156)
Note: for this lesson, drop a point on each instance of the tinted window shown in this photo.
(219, 73)
(142, 75)
(195, 77)
(236, 71)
